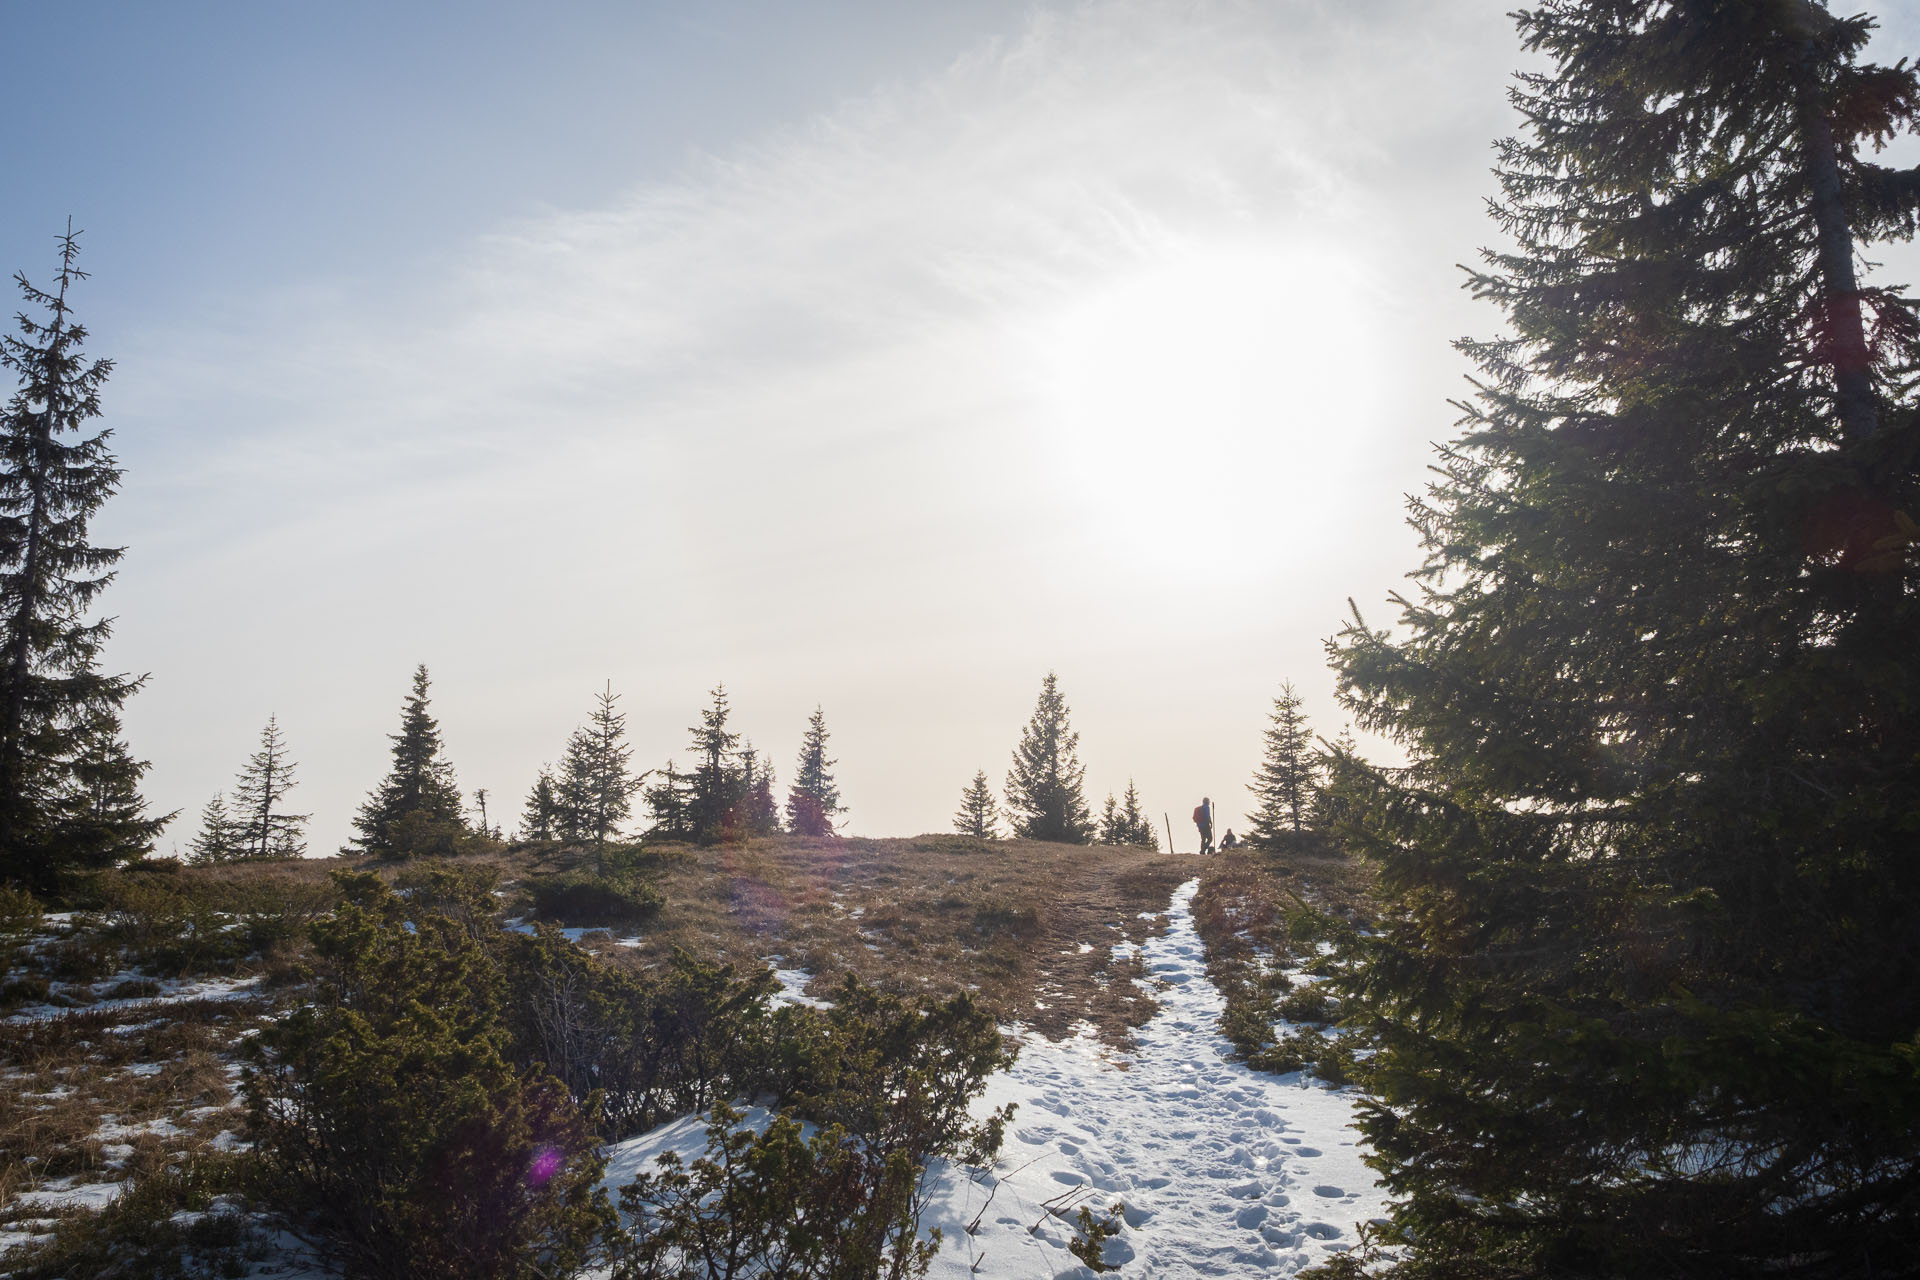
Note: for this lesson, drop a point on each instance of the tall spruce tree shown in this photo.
(416, 808)
(1647, 990)
(69, 795)
(717, 787)
(1288, 778)
(979, 816)
(1045, 796)
(813, 802)
(262, 829)
(596, 783)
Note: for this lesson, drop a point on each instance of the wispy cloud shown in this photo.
(791, 415)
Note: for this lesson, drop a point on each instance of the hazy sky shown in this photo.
(873, 355)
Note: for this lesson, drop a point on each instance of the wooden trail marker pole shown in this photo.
(1169, 822)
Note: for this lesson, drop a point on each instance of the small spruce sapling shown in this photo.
(979, 816)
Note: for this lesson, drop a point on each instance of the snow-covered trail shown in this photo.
(1224, 1171)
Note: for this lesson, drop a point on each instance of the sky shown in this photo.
(871, 356)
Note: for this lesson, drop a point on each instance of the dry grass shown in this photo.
(104, 1080)
(1029, 928)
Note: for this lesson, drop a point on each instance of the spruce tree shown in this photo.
(1647, 987)
(596, 784)
(758, 813)
(100, 808)
(1123, 822)
(416, 808)
(813, 802)
(59, 715)
(717, 786)
(261, 830)
(1288, 778)
(218, 839)
(1341, 754)
(539, 819)
(1045, 799)
(668, 801)
(979, 816)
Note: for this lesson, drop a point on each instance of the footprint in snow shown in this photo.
(1324, 1231)
(1329, 1192)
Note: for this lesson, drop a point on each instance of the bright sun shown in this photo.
(1211, 404)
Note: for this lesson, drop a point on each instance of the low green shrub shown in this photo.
(26, 988)
(585, 899)
(165, 927)
(20, 912)
(775, 1203)
(1089, 1243)
(649, 1048)
(1307, 1004)
(82, 956)
(890, 1083)
(389, 1122)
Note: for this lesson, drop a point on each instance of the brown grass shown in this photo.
(939, 914)
(1028, 928)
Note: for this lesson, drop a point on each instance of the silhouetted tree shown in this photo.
(59, 715)
(757, 814)
(668, 801)
(596, 788)
(100, 808)
(813, 802)
(979, 816)
(539, 818)
(487, 827)
(1124, 823)
(218, 839)
(262, 831)
(1647, 987)
(716, 786)
(1045, 799)
(1288, 777)
(417, 807)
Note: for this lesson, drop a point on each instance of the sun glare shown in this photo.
(1209, 407)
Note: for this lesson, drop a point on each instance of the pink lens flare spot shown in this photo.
(545, 1165)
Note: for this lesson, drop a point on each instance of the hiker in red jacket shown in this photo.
(1203, 819)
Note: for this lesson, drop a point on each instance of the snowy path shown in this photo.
(1223, 1171)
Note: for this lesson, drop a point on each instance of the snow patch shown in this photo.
(1224, 1171)
(793, 987)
